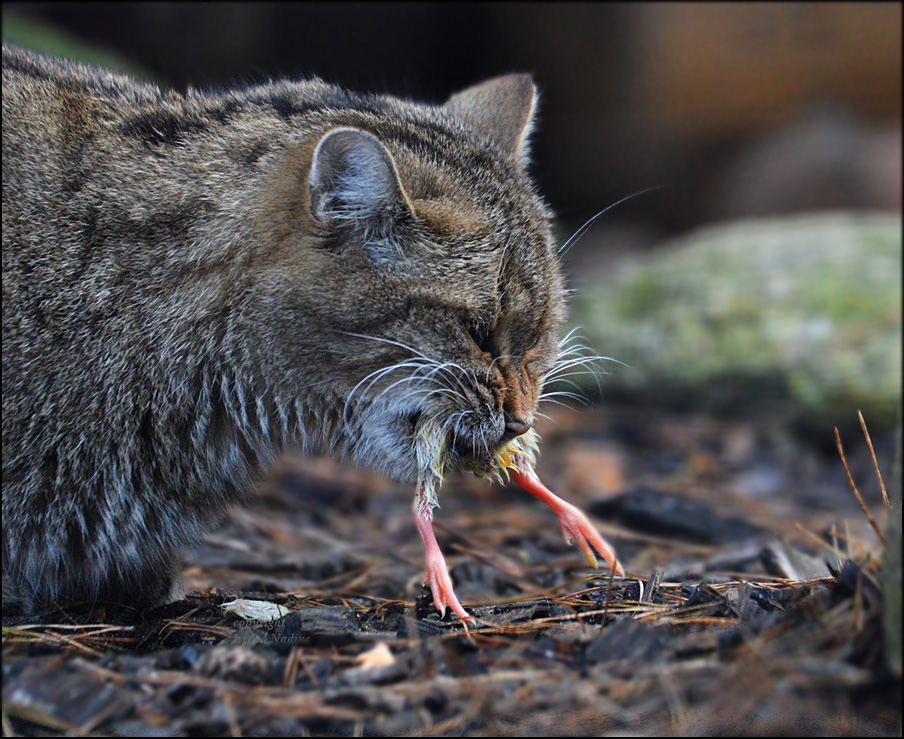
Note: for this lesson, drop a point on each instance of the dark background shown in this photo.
(735, 109)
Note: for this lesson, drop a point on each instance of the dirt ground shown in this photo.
(752, 604)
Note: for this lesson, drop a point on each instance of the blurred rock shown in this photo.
(720, 68)
(825, 159)
(794, 320)
(238, 664)
(628, 640)
(668, 515)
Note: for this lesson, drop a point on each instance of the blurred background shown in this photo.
(759, 278)
(737, 109)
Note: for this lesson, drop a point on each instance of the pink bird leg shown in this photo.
(437, 572)
(575, 526)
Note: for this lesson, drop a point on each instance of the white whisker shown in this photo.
(563, 250)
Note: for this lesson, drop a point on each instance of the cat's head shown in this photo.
(429, 282)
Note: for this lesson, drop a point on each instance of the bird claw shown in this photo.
(574, 524)
(577, 529)
(437, 576)
(440, 583)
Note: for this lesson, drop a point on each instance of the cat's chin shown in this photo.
(473, 454)
(469, 452)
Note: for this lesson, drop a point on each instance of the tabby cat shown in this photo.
(193, 282)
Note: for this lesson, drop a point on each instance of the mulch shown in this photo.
(752, 605)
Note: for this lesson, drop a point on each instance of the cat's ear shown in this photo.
(354, 182)
(502, 109)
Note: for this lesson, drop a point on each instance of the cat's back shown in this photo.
(60, 123)
(115, 197)
(25, 72)
(65, 123)
(56, 114)
(55, 106)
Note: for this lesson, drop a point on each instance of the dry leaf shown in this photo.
(379, 656)
(255, 610)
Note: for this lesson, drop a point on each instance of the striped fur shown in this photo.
(174, 314)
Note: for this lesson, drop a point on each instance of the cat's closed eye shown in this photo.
(482, 335)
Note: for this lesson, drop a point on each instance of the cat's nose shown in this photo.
(514, 428)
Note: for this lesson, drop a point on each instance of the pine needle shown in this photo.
(869, 516)
(869, 443)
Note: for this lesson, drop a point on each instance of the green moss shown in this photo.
(714, 318)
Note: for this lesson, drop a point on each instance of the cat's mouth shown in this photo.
(411, 420)
(469, 449)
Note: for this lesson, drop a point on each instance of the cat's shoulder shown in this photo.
(32, 73)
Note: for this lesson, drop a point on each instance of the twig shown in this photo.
(653, 584)
(608, 599)
(229, 709)
(111, 710)
(869, 516)
(443, 725)
(869, 443)
(676, 704)
(822, 542)
(291, 670)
